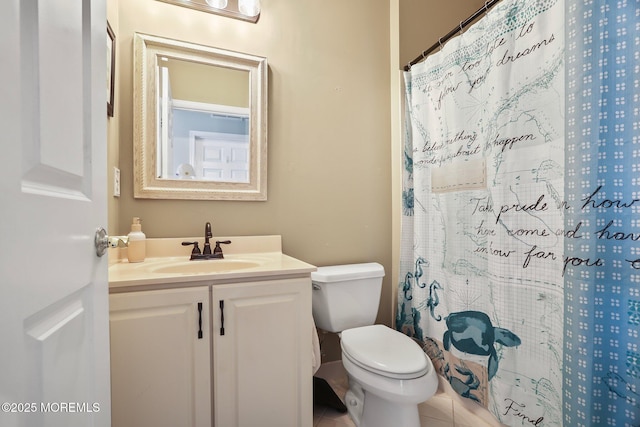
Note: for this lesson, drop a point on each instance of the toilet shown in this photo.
(389, 374)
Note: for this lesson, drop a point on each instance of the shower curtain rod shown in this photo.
(488, 5)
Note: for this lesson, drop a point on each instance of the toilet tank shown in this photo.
(346, 296)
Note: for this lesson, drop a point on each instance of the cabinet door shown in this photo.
(160, 358)
(262, 354)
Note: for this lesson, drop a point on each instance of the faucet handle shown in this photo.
(218, 249)
(196, 248)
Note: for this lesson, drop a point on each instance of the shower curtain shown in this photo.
(521, 201)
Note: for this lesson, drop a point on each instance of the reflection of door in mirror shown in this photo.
(165, 131)
(204, 122)
(213, 143)
(220, 156)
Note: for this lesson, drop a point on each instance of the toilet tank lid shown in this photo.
(339, 273)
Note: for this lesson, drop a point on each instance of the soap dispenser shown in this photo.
(136, 251)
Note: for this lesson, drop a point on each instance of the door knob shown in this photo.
(101, 241)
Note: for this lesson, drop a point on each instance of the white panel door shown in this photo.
(54, 354)
(220, 157)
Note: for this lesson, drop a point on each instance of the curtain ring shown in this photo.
(440, 43)
(461, 28)
(486, 6)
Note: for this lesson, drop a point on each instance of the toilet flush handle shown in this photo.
(315, 287)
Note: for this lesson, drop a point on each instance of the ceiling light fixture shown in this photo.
(218, 4)
(246, 10)
(249, 7)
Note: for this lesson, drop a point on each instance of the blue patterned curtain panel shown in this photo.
(520, 261)
(602, 185)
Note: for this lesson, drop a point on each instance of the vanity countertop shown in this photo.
(167, 263)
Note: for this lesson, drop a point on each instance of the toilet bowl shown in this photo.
(389, 374)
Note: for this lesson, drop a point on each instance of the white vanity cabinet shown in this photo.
(160, 358)
(262, 374)
(252, 366)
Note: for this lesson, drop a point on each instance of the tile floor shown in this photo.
(439, 411)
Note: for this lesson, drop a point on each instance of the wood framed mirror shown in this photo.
(200, 122)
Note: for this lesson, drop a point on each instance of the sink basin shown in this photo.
(204, 267)
(247, 258)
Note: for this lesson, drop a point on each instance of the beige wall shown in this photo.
(333, 128)
(223, 86)
(423, 22)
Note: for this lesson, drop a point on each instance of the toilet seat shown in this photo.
(384, 351)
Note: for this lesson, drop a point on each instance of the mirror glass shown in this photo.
(199, 122)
